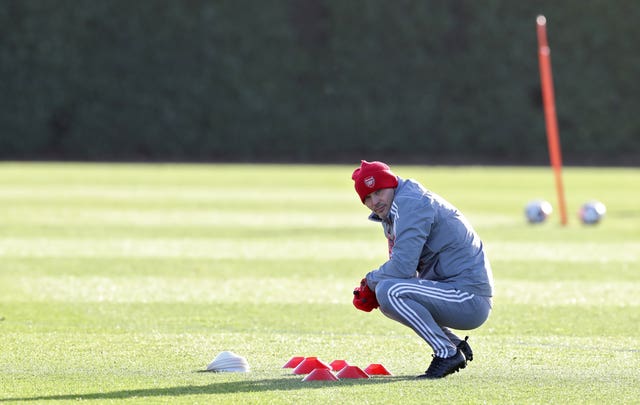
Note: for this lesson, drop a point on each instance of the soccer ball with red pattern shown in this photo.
(592, 212)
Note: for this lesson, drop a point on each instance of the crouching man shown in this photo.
(437, 276)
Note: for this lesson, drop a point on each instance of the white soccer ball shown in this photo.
(537, 211)
(592, 212)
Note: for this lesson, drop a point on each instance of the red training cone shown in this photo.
(352, 372)
(376, 369)
(309, 364)
(293, 362)
(320, 374)
(338, 365)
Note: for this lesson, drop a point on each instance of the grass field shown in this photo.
(118, 283)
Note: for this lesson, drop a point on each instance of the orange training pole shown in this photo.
(548, 99)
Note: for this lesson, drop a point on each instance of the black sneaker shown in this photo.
(464, 347)
(442, 367)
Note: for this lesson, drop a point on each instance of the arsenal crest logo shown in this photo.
(370, 181)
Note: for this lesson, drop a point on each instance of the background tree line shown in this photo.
(431, 81)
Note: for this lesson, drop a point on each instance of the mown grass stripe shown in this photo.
(286, 247)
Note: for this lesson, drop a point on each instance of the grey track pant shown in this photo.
(430, 308)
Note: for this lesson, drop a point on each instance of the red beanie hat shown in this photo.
(372, 176)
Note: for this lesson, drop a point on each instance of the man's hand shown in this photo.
(363, 298)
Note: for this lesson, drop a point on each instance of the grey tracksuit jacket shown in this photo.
(430, 239)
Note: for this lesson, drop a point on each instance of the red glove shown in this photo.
(363, 298)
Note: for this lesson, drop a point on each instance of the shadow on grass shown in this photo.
(271, 384)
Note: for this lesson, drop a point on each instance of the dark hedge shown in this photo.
(316, 80)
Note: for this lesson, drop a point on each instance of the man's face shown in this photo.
(380, 201)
